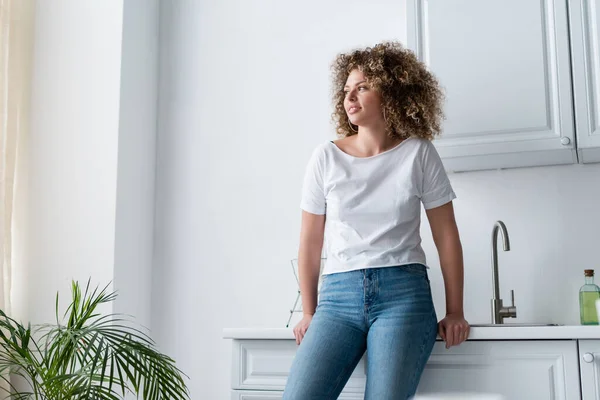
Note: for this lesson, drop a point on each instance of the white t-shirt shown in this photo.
(373, 204)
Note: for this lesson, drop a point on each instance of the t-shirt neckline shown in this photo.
(370, 157)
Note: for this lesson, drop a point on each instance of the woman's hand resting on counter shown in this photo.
(301, 327)
(453, 329)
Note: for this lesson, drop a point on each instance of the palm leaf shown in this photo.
(91, 356)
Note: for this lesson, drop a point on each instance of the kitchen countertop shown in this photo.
(506, 332)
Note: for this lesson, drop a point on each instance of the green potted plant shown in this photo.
(88, 356)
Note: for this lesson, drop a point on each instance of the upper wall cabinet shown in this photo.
(506, 70)
(585, 45)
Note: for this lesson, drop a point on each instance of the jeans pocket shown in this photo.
(416, 269)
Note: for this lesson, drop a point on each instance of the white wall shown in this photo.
(134, 222)
(72, 151)
(86, 190)
(244, 98)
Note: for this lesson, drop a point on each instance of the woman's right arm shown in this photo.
(312, 232)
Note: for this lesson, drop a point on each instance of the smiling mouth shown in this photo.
(352, 110)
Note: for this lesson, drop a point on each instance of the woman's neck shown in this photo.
(374, 141)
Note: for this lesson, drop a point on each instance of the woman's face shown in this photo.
(362, 102)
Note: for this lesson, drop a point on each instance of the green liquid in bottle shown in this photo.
(587, 300)
(588, 294)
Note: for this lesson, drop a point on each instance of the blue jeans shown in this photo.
(386, 311)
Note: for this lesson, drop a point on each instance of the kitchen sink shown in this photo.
(513, 325)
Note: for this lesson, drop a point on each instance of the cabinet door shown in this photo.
(589, 362)
(265, 364)
(517, 370)
(585, 39)
(505, 68)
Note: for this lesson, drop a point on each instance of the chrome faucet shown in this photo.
(498, 311)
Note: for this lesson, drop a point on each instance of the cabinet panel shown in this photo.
(589, 362)
(265, 364)
(505, 68)
(518, 370)
(585, 43)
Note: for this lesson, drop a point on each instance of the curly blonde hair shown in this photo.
(411, 97)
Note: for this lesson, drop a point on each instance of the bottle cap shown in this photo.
(588, 272)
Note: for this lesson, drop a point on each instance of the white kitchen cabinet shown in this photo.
(516, 369)
(585, 42)
(537, 369)
(589, 364)
(264, 365)
(505, 67)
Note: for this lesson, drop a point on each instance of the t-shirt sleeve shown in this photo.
(313, 192)
(436, 189)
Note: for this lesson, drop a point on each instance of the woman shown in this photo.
(363, 193)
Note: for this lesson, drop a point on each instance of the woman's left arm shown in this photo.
(454, 329)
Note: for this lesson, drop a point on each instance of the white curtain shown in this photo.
(16, 49)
